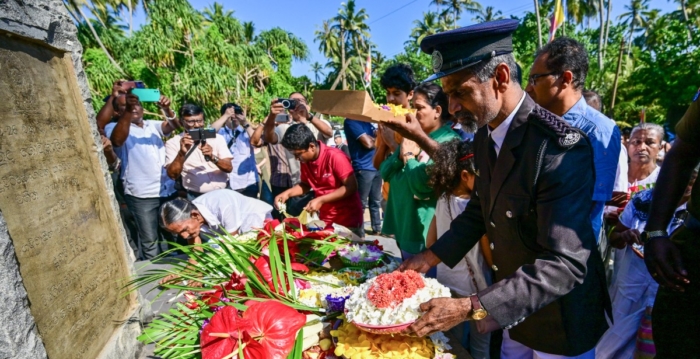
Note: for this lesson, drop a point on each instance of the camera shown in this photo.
(201, 134)
(238, 110)
(288, 103)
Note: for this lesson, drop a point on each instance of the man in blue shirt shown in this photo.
(361, 136)
(556, 83)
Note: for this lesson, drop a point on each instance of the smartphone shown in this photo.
(134, 85)
(202, 133)
(282, 118)
(147, 95)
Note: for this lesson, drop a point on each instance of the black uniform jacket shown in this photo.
(549, 289)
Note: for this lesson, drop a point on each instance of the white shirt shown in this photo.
(245, 172)
(232, 211)
(143, 158)
(459, 279)
(499, 133)
(621, 184)
(198, 174)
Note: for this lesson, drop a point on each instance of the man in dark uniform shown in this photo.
(532, 198)
(675, 262)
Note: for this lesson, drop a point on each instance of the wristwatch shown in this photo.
(246, 125)
(645, 237)
(214, 159)
(478, 312)
(409, 154)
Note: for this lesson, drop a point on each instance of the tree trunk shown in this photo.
(687, 21)
(539, 24)
(607, 27)
(341, 74)
(629, 38)
(601, 9)
(99, 41)
(617, 77)
(131, 17)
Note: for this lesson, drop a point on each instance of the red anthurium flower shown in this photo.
(298, 267)
(275, 326)
(220, 338)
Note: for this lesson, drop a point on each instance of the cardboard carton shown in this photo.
(356, 105)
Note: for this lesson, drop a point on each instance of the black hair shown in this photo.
(399, 76)
(593, 99)
(228, 105)
(298, 137)
(176, 210)
(189, 109)
(296, 92)
(436, 97)
(450, 159)
(567, 54)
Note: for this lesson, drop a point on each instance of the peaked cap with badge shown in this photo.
(532, 199)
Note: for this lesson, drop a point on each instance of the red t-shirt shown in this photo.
(325, 175)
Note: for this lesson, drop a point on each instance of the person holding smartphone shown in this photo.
(204, 168)
(233, 126)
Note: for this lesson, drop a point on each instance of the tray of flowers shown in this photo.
(390, 302)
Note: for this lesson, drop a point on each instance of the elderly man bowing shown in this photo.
(532, 198)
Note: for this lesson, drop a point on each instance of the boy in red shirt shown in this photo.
(328, 172)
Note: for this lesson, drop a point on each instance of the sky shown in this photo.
(390, 21)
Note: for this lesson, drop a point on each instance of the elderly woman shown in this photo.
(214, 212)
(411, 203)
(643, 148)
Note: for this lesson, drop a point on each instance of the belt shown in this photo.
(692, 223)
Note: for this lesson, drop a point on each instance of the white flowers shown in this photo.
(361, 310)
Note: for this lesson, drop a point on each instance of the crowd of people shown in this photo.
(530, 205)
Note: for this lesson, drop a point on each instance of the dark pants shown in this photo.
(369, 185)
(128, 221)
(266, 194)
(676, 316)
(250, 191)
(146, 213)
(294, 205)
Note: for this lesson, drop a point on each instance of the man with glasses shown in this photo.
(556, 83)
(139, 145)
(237, 132)
(204, 167)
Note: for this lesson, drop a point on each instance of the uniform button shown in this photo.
(494, 268)
(493, 225)
(509, 214)
(491, 246)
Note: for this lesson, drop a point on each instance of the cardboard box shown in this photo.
(355, 105)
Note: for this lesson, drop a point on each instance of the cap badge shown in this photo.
(437, 61)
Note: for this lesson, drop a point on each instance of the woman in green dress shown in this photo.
(411, 203)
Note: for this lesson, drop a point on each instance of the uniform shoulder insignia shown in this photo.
(565, 134)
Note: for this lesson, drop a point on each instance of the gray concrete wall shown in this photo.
(48, 22)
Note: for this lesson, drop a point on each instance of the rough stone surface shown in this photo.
(18, 335)
(47, 22)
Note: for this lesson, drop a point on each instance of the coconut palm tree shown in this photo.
(457, 7)
(76, 7)
(635, 17)
(317, 69)
(353, 35)
(429, 25)
(488, 14)
(228, 25)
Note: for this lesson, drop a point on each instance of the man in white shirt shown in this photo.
(203, 168)
(139, 146)
(216, 212)
(236, 132)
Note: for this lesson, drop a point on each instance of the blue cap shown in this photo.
(458, 49)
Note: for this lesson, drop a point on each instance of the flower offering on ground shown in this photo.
(361, 254)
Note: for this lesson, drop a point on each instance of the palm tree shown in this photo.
(635, 17)
(539, 23)
(684, 10)
(353, 33)
(76, 6)
(317, 69)
(228, 25)
(248, 32)
(457, 7)
(431, 24)
(488, 15)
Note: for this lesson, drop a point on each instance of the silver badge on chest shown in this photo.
(570, 139)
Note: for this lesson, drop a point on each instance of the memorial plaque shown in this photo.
(54, 198)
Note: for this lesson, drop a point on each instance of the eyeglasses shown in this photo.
(533, 77)
(194, 122)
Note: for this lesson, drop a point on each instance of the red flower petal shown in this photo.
(275, 326)
(220, 337)
(298, 267)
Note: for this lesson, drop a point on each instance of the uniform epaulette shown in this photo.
(556, 127)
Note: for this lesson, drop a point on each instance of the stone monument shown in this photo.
(63, 253)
